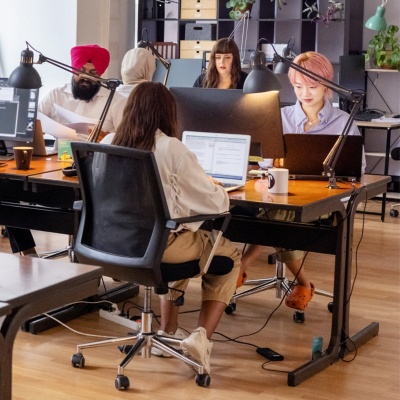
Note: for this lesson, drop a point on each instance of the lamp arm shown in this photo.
(166, 63)
(356, 96)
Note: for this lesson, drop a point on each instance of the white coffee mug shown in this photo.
(278, 180)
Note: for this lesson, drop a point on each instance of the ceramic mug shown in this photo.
(23, 157)
(278, 180)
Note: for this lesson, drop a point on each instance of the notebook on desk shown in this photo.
(305, 154)
(223, 156)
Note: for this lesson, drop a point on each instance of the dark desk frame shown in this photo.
(30, 286)
(305, 235)
(301, 234)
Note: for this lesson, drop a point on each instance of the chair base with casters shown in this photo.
(147, 338)
(67, 251)
(132, 206)
(280, 283)
(393, 212)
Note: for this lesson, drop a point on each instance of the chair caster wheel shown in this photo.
(298, 317)
(330, 306)
(230, 308)
(203, 380)
(125, 349)
(77, 360)
(122, 382)
(394, 213)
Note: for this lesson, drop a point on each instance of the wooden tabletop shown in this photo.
(378, 125)
(310, 199)
(38, 165)
(24, 280)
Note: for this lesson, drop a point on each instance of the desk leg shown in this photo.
(386, 170)
(332, 353)
(349, 345)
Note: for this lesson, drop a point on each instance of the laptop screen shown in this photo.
(223, 156)
(305, 154)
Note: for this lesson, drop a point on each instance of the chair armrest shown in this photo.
(221, 220)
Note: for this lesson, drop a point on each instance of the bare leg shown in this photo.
(169, 316)
(210, 315)
(252, 252)
(294, 267)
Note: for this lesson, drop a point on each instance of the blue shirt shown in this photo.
(332, 122)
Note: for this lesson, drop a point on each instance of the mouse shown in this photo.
(396, 116)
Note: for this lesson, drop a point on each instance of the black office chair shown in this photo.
(124, 228)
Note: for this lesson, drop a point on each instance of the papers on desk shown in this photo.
(76, 130)
(387, 120)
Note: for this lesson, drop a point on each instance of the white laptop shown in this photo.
(223, 156)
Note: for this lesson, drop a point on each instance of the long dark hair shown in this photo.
(149, 107)
(223, 46)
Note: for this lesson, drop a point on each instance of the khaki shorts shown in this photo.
(187, 245)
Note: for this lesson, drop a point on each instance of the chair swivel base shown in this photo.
(143, 341)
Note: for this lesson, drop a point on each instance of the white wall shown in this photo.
(54, 26)
(388, 85)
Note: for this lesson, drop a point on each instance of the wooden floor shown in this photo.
(42, 368)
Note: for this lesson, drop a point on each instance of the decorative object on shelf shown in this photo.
(378, 22)
(239, 7)
(384, 47)
(334, 12)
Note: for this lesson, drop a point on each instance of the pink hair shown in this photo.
(314, 62)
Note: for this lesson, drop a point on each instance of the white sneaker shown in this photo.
(179, 334)
(198, 348)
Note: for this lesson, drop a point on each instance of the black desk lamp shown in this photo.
(26, 77)
(355, 96)
(145, 44)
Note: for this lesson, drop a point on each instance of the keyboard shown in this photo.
(368, 115)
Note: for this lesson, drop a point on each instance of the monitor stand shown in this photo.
(3, 148)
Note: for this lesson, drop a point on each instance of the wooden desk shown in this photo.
(388, 127)
(30, 286)
(309, 200)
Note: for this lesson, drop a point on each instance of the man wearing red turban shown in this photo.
(83, 97)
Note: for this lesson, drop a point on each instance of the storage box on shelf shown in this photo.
(198, 9)
(195, 48)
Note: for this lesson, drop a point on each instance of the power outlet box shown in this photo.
(114, 316)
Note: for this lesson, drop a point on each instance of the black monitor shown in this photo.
(232, 111)
(18, 109)
(351, 76)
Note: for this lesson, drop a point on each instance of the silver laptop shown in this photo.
(223, 156)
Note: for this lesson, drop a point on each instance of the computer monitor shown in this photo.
(18, 109)
(232, 111)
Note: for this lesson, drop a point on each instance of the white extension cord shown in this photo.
(114, 316)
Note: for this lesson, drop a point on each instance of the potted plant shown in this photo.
(239, 7)
(384, 47)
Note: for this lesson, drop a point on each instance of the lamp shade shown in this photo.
(261, 78)
(25, 76)
(377, 22)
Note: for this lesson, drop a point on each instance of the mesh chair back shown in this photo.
(123, 225)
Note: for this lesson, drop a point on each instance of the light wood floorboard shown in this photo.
(42, 368)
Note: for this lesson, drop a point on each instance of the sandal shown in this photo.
(299, 297)
(241, 280)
